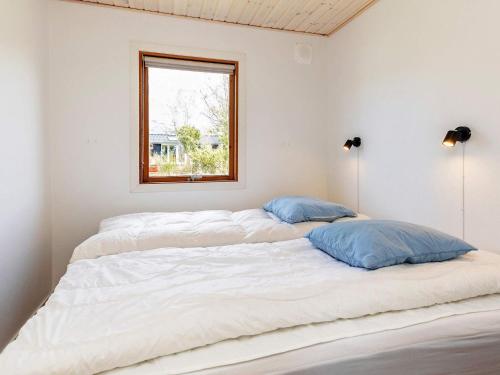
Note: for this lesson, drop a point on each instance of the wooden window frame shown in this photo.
(144, 177)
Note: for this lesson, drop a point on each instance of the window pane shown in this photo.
(188, 123)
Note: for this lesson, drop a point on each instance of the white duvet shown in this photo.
(146, 231)
(120, 310)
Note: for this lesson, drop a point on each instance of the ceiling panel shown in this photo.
(321, 17)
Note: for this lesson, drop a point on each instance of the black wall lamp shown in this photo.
(356, 142)
(461, 134)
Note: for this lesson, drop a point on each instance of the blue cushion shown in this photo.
(296, 209)
(373, 244)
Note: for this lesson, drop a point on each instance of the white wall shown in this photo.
(90, 96)
(24, 214)
(399, 76)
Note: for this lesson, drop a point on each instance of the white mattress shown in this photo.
(152, 230)
(120, 310)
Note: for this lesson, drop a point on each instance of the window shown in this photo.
(188, 119)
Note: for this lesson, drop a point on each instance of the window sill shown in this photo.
(185, 186)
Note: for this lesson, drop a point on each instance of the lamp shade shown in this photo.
(450, 139)
(348, 145)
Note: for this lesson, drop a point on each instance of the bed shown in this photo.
(274, 307)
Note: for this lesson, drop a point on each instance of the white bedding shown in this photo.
(119, 310)
(152, 230)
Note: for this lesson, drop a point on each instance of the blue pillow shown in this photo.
(296, 209)
(374, 244)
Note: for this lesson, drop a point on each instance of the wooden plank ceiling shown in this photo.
(321, 17)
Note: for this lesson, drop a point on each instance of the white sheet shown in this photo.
(120, 310)
(152, 230)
